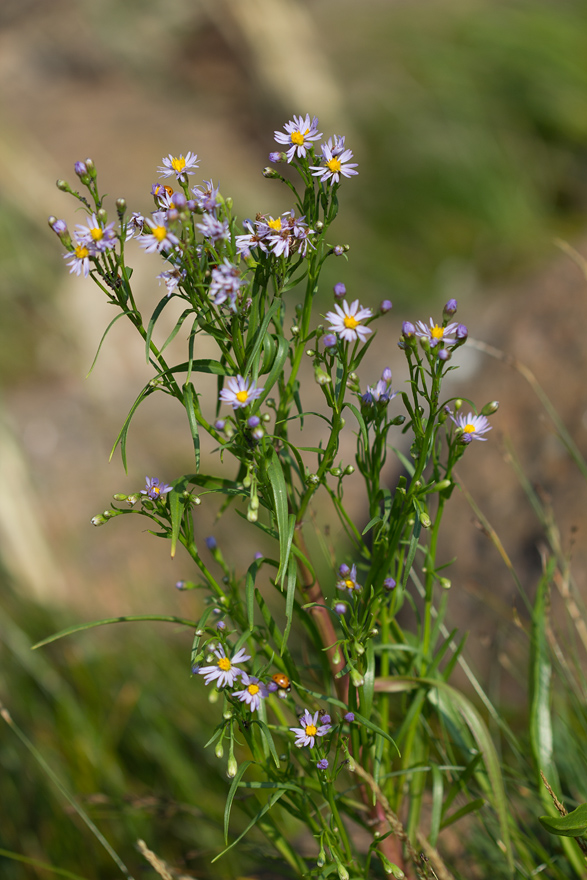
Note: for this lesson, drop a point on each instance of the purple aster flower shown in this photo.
(225, 284)
(338, 250)
(206, 197)
(299, 134)
(307, 733)
(348, 582)
(322, 764)
(79, 259)
(341, 608)
(325, 719)
(80, 168)
(408, 329)
(329, 340)
(385, 306)
(276, 157)
(252, 239)
(240, 392)
(472, 426)
(215, 230)
(443, 354)
(58, 226)
(450, 308)
(96, 235)
(382, 392)
(334, 164)
(225, 672)
(253, 691)
(172, 279)
(179, 166)
(435, 334)
(344, 570)
(160, 238)
(253, 422)
(154, 488)
(221, 625)
(389, 583)
(350, 717)
(462, 333)
(346, 321)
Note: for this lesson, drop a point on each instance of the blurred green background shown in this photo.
(468, 119)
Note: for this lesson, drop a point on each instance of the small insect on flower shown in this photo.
(179, 166)
(154, 488)
(346, 321)
(253, 691)
(472, 426)
(240, 392)
(307, 733)
(224, 672)
(280, 682)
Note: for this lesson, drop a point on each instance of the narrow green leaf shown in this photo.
(190, 399)
(279, 489)
(176, 507)
(105, 334)
(276, 370)
(154, 317)
(368, 688)
(268, 739)
(471, 807)
(181, 621)
(147, 390)
(436, 813)
(411, 551)
(292, 576)
(541, 736)
(572, 825)
(231, 793)
(360, 420)
(35, 863)
(271, 802)
(250, 579)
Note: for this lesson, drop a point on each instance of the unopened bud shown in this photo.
(99, 520)
(445, 583)
(219, 750)
(425, 520)
(270, 172)
(356, 678)
(91, 168)
(252, 515)
(63, 186)
(349, 469)
(490, 408)
(232, 767)
(121, 206)
(119, 497)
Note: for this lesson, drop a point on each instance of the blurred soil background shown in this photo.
(468, 119)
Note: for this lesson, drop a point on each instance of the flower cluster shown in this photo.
(280, 236)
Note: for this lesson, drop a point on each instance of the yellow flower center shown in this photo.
(160, 233)
(350, 585)
(224, 664)
(334, 164)
(437, 332)
(97, 233)
(469, 429)
(253, 689)
(298, 137)
(311, 729)
(351, 322)
(81, 252)
(155, 489)
(275, 224)
(242, 396)
(178, 164)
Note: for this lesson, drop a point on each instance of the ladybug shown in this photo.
(282, 681)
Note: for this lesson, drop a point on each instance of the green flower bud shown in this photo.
(356, 678)
(91, 168)
(121, 206)
(270, 172)
(445, 583)
(311, 353)
(252, 515)
(458, 404)
(63, 186)
(490, 408)
(102, 215)
(219, 750)
(232, 767)
(98, 520)
(336, 472)
(425, 520)
(313, 479)
(349, 469)
(132, 499)
(119, 497)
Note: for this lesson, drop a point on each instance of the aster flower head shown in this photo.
(253, 691)
(135, 225)
(253, 238)
(215, 230)
(206, 197)
(307, 733)
(240, 392)
(299, 134)
(225, 285)
(348, 582)
(436, 334)
(79, 259)
(179, 166)
(382, 392)
(346, 321)
(159, 238)
(334, 164)
(172, 278)
(322, 764)
(472, 426)
(154, 488)
(225, 672)
(96, 235)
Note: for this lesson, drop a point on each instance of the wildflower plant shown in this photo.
(349, 723)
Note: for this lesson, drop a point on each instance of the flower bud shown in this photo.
(313, 479)
(252, 515)
(338, 250)
(99, 520)
(91, 168)
(219, 750)
(310, 352)
(389, 583)
(63, 186)
(458, 404)
(210, 543)
(319, 225)
(356, 678)
(119, 497)
(461, 334)
(277, 157)
(490, 408)
(329, 341)
(232, 767)
(321, 376)
(120, 207)
(102, 215)
(336, 472)
(81, 170)
(425, 520)
(385, 306)
(445, 583)
(339, 290)
(450, 308)
(132, 499)
(349, 469)
(270, 172)
(443, 354)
